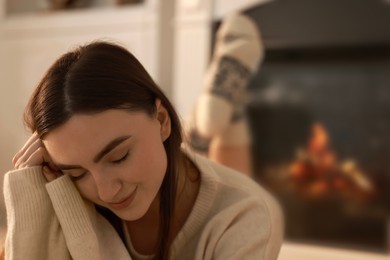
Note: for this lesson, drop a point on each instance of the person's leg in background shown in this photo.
(219, 125)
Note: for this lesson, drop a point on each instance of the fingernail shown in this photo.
(45, 169)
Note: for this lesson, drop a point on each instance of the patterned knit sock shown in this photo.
(237, 54)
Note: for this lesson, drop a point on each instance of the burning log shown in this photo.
(317, 173)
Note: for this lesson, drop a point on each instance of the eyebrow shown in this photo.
(108, 148)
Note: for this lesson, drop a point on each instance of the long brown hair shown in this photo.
(97, 77)
(2, 256)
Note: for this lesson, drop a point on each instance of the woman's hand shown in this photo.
(33, 153)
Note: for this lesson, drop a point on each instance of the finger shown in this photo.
(31, 140)
(29, 151)
(35, 159)
(48, 161)
(49, 169)
(49, 174)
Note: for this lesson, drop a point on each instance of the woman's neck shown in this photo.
(187, 191)
(144, 232)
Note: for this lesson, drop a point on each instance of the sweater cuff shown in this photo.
(71, 209)
(27, 201)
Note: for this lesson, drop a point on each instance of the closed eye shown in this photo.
(75, 174)
(78, 177)
(122, 159)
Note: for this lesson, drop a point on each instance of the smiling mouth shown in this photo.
(125, 202)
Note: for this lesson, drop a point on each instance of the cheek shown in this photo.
(87, 189)
(150, 162)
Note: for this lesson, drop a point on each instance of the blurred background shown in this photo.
(319, 110)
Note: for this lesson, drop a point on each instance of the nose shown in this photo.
(107, 186)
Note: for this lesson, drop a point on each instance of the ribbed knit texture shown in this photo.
(55, 222)
(31, 223)
(65, 196)
(31, 215)
(88, 234)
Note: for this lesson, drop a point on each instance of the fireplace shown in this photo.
(324, 83)
(322, 145)
(320, 118)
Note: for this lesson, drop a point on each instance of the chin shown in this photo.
(129, 216)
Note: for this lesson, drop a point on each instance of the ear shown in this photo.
(164, 119)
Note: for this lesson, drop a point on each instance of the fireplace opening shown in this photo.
(320, 119)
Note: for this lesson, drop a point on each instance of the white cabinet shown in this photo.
(138, 27)
(192, 40)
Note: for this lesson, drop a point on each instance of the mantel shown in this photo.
(224, 7)
(55, 23)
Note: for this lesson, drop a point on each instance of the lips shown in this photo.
(125, 202)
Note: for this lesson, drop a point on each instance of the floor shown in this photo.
(292, 251)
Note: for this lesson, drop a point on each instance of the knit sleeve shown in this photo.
(248, 230)
(88, 234)
(33, 231)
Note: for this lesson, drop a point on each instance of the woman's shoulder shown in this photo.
(227, 177)
(232, 188)
(238, 207)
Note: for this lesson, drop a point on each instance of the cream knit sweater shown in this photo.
(233, 218)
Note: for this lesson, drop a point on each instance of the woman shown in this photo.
(103, 175)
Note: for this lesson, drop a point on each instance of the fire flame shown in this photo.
(317, 173)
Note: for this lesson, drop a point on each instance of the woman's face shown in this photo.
(116, 158)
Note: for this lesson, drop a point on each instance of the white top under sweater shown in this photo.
(232, 218)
